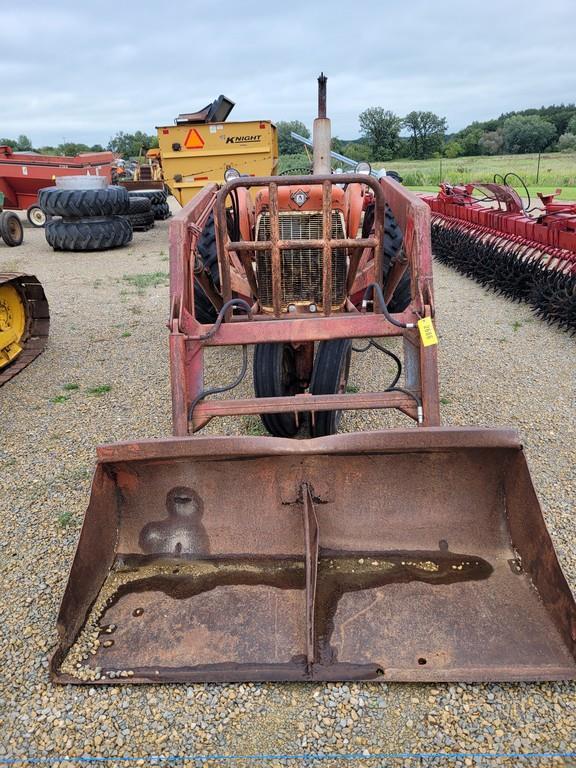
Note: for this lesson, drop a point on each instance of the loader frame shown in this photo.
(189, 338)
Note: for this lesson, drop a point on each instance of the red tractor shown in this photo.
(316, 261)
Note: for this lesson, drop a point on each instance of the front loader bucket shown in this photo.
(408, 555)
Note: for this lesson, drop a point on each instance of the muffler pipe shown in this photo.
(321, 133)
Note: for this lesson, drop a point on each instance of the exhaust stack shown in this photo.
(322, 132)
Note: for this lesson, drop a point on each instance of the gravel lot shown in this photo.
(499, 366)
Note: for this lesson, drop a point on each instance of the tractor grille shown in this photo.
(301, 269)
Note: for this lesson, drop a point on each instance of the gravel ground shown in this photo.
(499, 365)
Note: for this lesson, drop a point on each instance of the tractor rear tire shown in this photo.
(161, 211)
(139, 205)
(204, 310)
(83, 203)
(140, 222)
(156, 196)
(88, 234)
(392, 245)
(402, 295)
(275, 375)
(330, 377)
(11, 229)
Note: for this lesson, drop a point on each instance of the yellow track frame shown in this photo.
(12, 323)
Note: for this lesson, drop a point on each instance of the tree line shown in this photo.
(127, 145)
(386, 136)
(423, 134)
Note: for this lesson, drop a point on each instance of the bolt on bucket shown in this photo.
(414, 555)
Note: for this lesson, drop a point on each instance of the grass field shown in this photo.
(556, 170)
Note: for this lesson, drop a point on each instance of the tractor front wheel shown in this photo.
(330, 377)
(276, 375)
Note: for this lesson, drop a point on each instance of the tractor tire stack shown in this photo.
(86, 219)
(140, 214)
(158, 200)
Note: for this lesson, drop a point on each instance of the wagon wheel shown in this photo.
(275, 375)
(11, 230)
(36, 216)
(330, 377)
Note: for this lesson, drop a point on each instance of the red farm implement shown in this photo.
(23, 174)
(527, 254)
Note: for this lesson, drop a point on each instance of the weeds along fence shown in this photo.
(546, 170)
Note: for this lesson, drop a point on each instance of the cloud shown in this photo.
(87, 70)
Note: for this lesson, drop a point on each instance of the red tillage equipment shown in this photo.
(23, 174)
(524, 253)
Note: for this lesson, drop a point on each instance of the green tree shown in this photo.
(530, 133)
(427, 132)
(286, 144)
(358, 150)
(24, 143)
(571, 126)
(21, 144)
(338, 145)
(453, 149)
(469, 138)
(381, 128)
(132, 144)
(491, 142)
(567, 142)
(71, 149)
(97, 148)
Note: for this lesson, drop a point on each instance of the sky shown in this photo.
(80, 70)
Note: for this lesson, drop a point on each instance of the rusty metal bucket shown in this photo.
(416, 554)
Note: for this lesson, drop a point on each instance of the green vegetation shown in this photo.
(132, 145)
(381, 128)
(299, 162)
(254, 427)
(444, 401)
(352, 388)
(65, 518)
(68, 148)
(286, 144)
(99, 390)
(71, 387)
(147, 279)
(546, 129)
(556, 169)
(60, 398)
(125, 335)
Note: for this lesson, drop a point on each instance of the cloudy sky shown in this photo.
(82, 70)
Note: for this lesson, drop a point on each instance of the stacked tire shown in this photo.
(140, 213)
(86, 219)
(158, 200)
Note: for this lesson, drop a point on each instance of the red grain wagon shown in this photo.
(23, 174)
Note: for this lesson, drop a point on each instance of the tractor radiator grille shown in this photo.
(301, 269)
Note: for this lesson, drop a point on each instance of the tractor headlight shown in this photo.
(231, 173)
(364, 168)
